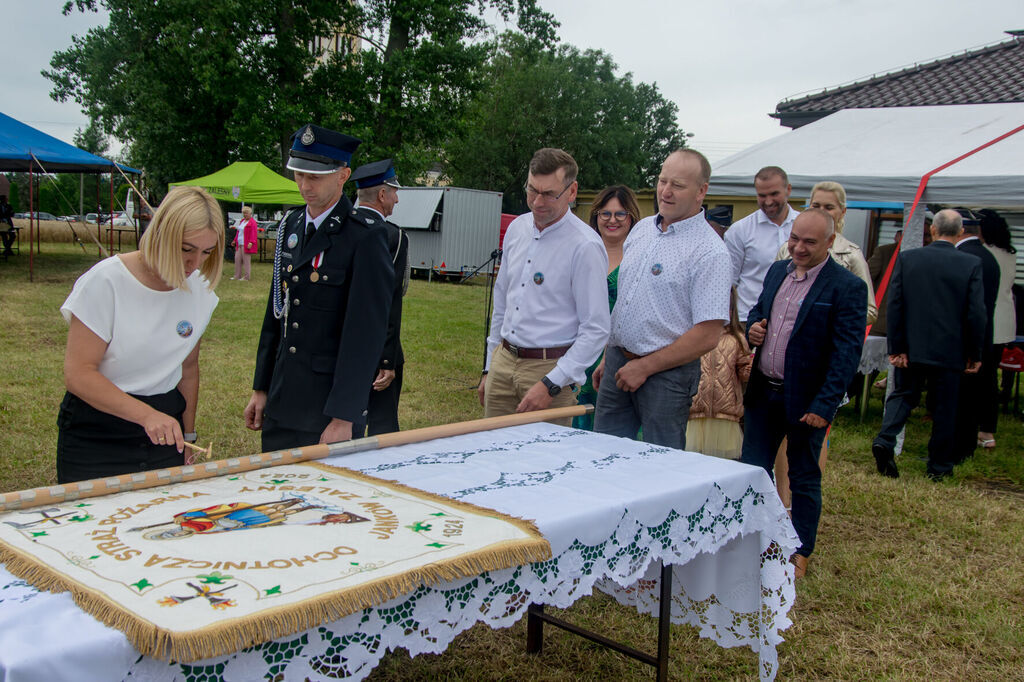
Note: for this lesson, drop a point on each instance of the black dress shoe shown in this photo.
(885, 461)
(939, 476)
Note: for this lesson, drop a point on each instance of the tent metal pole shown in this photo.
(31, 217)
(110, 232)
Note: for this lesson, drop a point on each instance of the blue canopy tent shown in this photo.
(26, 149)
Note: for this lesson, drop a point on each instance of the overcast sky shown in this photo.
(725, 63)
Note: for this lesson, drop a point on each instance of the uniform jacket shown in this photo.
(936, 311)
(722, 370)
(320, 362)
(398, 248)
(824, 347)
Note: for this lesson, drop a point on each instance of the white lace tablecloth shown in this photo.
(612, 509)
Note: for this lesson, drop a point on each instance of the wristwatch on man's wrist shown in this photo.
(553, 390)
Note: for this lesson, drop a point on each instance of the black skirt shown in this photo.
(95, 444)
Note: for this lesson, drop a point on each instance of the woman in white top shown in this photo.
(131, 367)
(996, 234)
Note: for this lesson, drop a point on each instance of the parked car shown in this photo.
(91, 217)
(122, 220)
(39, 215)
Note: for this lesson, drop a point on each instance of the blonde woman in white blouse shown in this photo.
(131, 367)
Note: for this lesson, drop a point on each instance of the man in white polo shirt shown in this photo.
(753, 241)
(550, 317)
(673, 301)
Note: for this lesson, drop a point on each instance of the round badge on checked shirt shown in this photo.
(538, 278)
(656, 269)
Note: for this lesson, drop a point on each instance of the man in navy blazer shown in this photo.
(936, 331)
(808, 328)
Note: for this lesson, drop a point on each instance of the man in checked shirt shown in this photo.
(673, 300)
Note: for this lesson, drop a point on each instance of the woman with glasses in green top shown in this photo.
(613, 215)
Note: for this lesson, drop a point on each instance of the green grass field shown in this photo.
(910, 580)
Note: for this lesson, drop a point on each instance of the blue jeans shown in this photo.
(765, 425)
(660, 407)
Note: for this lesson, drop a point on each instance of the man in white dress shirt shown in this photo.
(673, 301)
(753, 241)
(551, 317)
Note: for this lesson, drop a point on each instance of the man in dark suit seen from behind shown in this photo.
(936, 320)
(327, 312)
(377, 190)
(972, 386)
(808, 328)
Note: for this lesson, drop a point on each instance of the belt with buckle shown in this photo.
(774, 384)
(535, 353)
(628, 355)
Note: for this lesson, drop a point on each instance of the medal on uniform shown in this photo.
(315, 276)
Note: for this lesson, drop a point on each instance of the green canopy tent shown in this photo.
(248, 182)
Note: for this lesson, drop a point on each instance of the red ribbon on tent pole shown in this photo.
(880, 294)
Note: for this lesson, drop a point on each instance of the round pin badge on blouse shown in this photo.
(293, 240)
(184, 329)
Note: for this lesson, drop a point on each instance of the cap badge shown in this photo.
(307, 136)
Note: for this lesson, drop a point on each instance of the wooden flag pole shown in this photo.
(34, 497)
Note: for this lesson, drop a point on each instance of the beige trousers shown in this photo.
(510, 378)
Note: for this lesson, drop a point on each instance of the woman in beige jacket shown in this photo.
(831, 197)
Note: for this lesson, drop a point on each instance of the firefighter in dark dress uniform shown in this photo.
(327, 314)
(378, 193)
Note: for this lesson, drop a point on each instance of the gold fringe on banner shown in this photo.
(235, 634)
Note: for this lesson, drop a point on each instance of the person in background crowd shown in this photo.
(378, 187)
(831, 197)
(808, 329)
(978, 391)
(246, 241)
(996, 234)
(714, 424)
(936, 323)
(550, 317)
(613, 215)
(327, 313)
(753, 241)
(673, 301)
(720, 218)
(132, 361)
(7, 234)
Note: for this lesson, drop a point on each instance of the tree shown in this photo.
(191, 85)
(618, 131)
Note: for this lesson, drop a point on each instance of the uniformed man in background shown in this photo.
(327, 314)
(377, 191)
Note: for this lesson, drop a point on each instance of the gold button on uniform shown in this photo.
(295, 278)
(289, 268)
(291, 349)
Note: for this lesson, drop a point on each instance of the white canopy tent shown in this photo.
(882, 154)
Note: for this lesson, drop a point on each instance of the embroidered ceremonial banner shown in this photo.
(205, 568)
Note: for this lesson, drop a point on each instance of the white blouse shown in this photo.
(149, 333)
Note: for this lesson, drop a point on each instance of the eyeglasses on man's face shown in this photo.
(532, 193)
(608, 215)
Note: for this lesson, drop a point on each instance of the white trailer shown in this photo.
(452, 230)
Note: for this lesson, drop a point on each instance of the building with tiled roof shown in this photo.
(994, 73)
